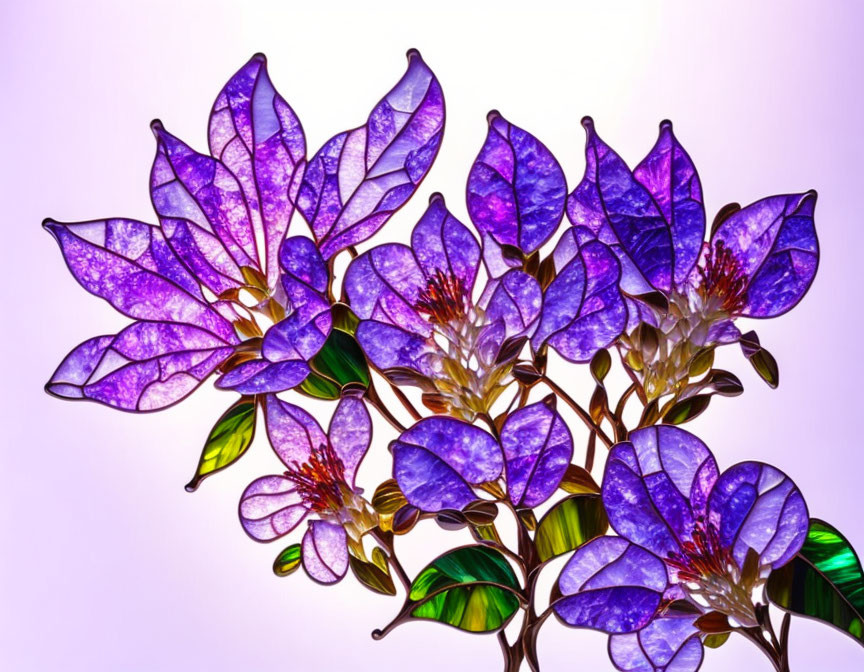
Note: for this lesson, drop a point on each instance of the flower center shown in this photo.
(723, 277)
(444, 300)
(321, 480)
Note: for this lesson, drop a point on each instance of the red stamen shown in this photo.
(444, 299)
(703, 556)
(723, 277)
(319, 481)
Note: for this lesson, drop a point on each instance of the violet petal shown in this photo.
(293, 432)
(270, 508)
(664, 645)
(387, 347)
(350, 434)
(325, 552)
(262, 377)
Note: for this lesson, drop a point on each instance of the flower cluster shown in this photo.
(463, 324)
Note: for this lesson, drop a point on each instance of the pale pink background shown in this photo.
(107, 564)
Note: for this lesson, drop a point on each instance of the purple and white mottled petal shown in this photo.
(361, 177)
(385, 284)
(293, 432)
(664, 645)
(350, 434)
(621, 212)
(122, 272)
(754, 505)
(723, 332)
(611, 585)
(775, 242)
(270, 508)
(537, 448)
(257, 136)
(146, 367)
(437, 459)
(655, 486)
(516, 188)
(516, 300)
(443, 244)
(301, 261)
(669, 175)
(262, 377)
(496, 262)
(303, 333)
(325, 552)
(387, 347)
(583, 309)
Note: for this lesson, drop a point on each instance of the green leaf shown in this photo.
(287, 561)
(569, 524)
(579, 481)
(374, 575)
(228, 441)
(824, 581)
(686, 409)
(762, 360)
(472, 588)
(341, 360)
(715, 641)
(320, 388)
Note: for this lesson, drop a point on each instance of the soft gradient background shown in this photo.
(107, 564)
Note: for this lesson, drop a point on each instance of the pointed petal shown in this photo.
(257, 136)
(270, 508)
(757, 506)
(494, 258)
(656, 485)
(611, 585)
(359, 178)
(435, 461)
(621, 212)
(775, 241)
(293, 432)
(262, 377)
(516, 188)
(515, 299)
(537, 448)
(325, 552)
(664, 645)
(387, 347)
(669, 175)
(350, 434)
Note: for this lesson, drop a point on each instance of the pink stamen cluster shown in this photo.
(724, 278)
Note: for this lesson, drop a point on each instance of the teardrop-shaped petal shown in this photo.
(496, 259)
(256, 134)
(664, 645)
(148, 366)
(444, 245)
(774, 241)
(515, 299)
(293, 432)
(262, 377)
(325, 552)
(388, 347)
(350, 433)
(656, 485)
(669, 175)
(203, 212)
(754, 505)
(611, 585)
(621, 212)
(359, 178)
(516, 188)
(437, 460)
(128, 266)
(583, 310)
(270, 508)
(537, 448)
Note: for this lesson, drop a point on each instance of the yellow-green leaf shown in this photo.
(228, 441)
(571, 523)
(287, 561)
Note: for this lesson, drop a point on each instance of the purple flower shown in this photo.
(686, 534)
(319, 480)
(759, 262)
(217, 286)
(439, 460)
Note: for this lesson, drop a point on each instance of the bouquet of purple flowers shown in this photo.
(669, 553)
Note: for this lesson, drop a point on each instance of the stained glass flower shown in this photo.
(688, 535)
(759, 262)
(319, 481)
(216, 286)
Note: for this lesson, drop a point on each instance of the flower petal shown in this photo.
(611, 585)
(775, 241)
(270, 508)
(583, 310)
(359, 178)
(128, 265)
(262, 377)
(148, 366)
(435, 461)
(387, 347)
(293, 432)
(757, 506)
(350, 433)
(515, 299)
(669, 175)
(516, 188)
(537, 448)
(257, 136)
(656, 485)
(621, 212)
(664, 645)
(325, 552)
(494, 258)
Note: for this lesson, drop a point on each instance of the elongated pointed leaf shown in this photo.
(824, 581)
(568, 525)
(374, 575)
(288, 561)
(228, 441)
(341, 360)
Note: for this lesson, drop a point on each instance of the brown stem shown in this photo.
(400, 395)
(581, 412)
(373, 398)
(776, 650)
(590, 450)
(392, 559)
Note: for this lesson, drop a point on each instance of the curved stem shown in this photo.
(392, 559)
(373, 398)
(581, 412)
(400, 395)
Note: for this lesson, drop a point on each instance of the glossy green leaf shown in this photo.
(715, 641)
(341, 360)
(287, 561)
(229, 439)
(686, 409)
(320, 388)
(569, 524)
(762, 360)
(824, 581)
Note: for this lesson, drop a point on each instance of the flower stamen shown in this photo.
(724, 278)
(444, 300)
(321, 480)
